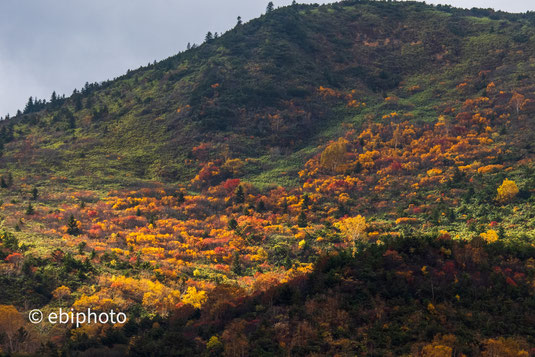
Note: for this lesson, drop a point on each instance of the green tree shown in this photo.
(302, 219)
(232, 224)
(54, 98)
(30, 211)
(236, 264)
(72, 226)
(240, 195)
(81, 247)
(306, 201)
(29, 106)
(269, 7)
(35, 193)
(260, 206)
(209, 37)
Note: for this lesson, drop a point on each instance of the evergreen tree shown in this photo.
(239, 21)
(53, 98)
(72, 122)
(72, 226)
(236, 265)
(302, 219)
(78, 102)
(240, 195)
(30, 210)
(233, 224)
(35, 193)
(209, 37)
(260, 206)
(29, 106)
(81, 247)
(269, 7)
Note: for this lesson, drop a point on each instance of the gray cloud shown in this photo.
(59, 44)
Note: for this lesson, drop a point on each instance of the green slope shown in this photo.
(227, 91)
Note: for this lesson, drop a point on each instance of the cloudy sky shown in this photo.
(60, 44)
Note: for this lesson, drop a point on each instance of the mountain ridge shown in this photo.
(255, 88)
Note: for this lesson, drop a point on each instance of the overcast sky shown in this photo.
(60, 44)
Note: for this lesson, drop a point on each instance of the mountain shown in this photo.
(348, 179)
(254, 91)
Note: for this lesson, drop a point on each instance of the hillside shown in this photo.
(254, 92)
(351, 179)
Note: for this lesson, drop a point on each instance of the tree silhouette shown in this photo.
(269, 7)
(209, 37)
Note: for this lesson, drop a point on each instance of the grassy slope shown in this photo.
(144, 124)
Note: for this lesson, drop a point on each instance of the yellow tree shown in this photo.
(194, 297)
(353, 229)
(334, 155)
(490, 236)
(434, 350)
(61, 292)
(397, 136)
(517, 100)
(11, 323)
(442, 346)
(507, 191)
(443, 122)
(505, 347)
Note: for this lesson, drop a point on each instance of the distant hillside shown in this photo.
(271, 91)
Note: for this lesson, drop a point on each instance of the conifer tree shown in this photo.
(72, 226)
(53, 98)
(35, 193)
(236, 265)
(260, 206)
(233, 224)
(269, 7)
(302, 219)
(209, 37)
(29, 106)
(240, 195)
(30, 210)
